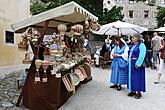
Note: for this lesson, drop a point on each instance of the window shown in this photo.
(9, 37)
(108, 2)
(146, 13)
(130, 13)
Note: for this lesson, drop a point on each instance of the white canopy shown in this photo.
(161, 29)
(119, 27)
(67, 14)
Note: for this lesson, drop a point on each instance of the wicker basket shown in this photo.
(75, 79)
(87, 68)
(68, 84)
(27, 59)
(81, 73)
(23, 46)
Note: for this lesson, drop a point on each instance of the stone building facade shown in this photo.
(140, 13)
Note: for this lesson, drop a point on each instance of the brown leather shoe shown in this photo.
(119, 88)
(156, 82)
(138, 96)
(131, 93)
(114, 86)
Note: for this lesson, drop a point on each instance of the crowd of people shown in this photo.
(129, 61)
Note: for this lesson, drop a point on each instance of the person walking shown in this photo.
(119, 63)
(155, 45)
(136, 70)
(97, 56)
(162, 63)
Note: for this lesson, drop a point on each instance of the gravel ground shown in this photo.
(95, 95)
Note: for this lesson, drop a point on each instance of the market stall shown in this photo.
(59, 64)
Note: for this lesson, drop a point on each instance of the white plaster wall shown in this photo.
(14, 10)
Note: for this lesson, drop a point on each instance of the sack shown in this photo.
(122, 63)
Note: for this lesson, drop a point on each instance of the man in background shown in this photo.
(155, 45)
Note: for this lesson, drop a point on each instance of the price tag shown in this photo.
(53, 73)
(37, 78)
(72, 39)
(58, 75)
(44, 79)
(75, 40)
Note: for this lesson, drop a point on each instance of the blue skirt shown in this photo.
(136, 78)
(118, 75)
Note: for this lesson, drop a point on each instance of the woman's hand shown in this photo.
(136, 66)
(116, 55)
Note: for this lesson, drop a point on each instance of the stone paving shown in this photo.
(9, 69)
(95, 95)
(9, 92)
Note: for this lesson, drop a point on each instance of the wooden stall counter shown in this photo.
(49, 95)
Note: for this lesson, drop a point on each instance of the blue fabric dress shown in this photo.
(136, 76)
(119, 74)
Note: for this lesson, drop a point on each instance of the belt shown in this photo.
(96, 54)
(132, 58)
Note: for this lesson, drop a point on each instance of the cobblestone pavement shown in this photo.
(9, 92)
(95, 95)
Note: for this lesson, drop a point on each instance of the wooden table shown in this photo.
(44, 96)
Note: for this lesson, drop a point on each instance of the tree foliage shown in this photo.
(160, 16)
(38, 6)
(112, 15)
(93, 6)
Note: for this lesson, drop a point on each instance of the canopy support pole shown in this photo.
(44, 30)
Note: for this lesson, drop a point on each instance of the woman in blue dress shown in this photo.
(136, 70)
(119, 64)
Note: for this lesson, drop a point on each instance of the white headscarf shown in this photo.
(125, 54)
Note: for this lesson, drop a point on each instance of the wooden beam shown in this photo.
(42, 27)
(44, 31)
(61, 21)
(34, 49)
